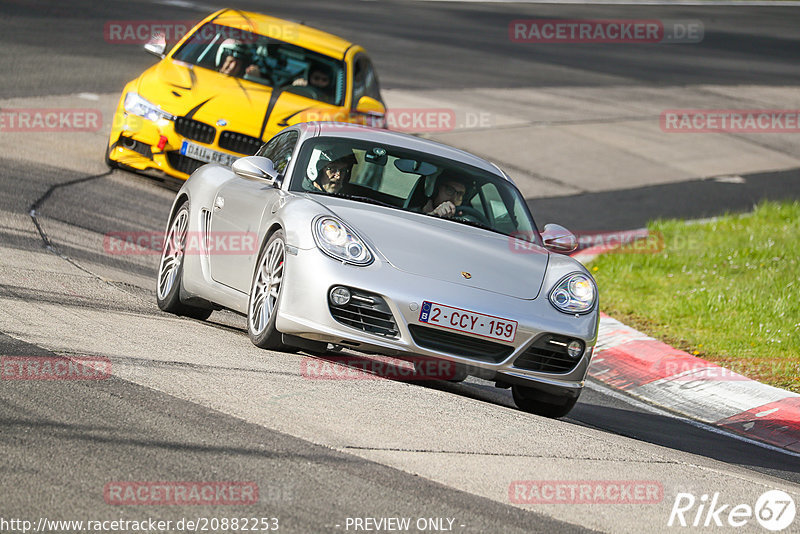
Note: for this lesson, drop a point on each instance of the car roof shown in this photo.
(381, 135)
(284, 30)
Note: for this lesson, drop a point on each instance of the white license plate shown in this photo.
(468, 321)
(206, 154)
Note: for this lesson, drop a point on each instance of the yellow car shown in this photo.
(230, 83)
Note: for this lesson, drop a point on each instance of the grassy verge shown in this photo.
(727, 291)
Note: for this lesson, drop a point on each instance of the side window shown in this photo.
(494, 206)
(365, 81)
(279, 149)
(506, 211)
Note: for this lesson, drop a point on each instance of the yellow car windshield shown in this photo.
(261, 59)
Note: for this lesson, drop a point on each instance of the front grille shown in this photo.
(195, 130)
(367, 312)
(182, 163)
(460, 345)
(547, 354)
(239, 143)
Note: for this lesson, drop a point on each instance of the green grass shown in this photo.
(727, 291)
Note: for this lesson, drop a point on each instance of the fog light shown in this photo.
(575, 349)
(340, 296)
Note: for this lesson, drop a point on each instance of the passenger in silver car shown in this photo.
(449, 194)
(334, 168)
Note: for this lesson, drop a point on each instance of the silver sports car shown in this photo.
(336, 235)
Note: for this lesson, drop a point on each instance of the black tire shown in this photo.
(111, 163)
(262, 329)
(534, 401)
(168, 291)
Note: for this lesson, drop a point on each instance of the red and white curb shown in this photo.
(652, 371)
(649, 370)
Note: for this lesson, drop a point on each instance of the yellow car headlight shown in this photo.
(136, 105)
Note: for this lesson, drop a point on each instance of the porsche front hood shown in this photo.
(446, 250)
(208, 96)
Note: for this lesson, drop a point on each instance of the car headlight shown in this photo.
(335, 239)
(136, 105)
(575, 293)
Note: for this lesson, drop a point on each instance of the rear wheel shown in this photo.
(534, 401)
(265, 294)
(170, 270)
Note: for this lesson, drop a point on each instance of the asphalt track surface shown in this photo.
(87, 436)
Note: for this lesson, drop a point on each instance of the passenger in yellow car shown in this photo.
(320, 80)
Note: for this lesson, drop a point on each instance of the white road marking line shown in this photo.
(730, 180)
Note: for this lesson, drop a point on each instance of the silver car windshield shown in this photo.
(413, 181)
(261, 59)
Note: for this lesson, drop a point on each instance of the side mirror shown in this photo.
(367, 104)
(256, 167)
(559, 239)
(373, 110)
(157, 45)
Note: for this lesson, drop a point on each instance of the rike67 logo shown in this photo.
(774, 510)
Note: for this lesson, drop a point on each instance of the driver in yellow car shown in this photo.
(234, 66)
(234, 58)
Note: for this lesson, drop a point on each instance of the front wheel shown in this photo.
(110, 162)
(534, 401)
(170, 270)
(265, 293)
